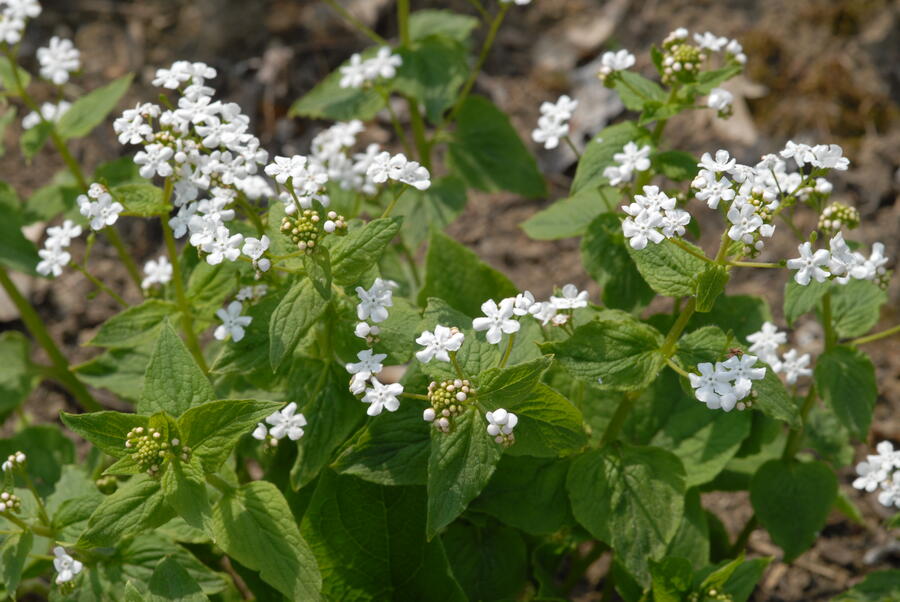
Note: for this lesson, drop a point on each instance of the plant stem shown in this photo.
(668, 346)
(456, 366)
(359, 25)
(676, 367)
(509, 347)
(754, 264)
(36, 529)
(252, 215)
(130, 266)
(476, 4)
(403, 21)
(99, 284)
(413, 268)
(618, 420)
(36, 327)
(583, 564)
(184, 307)
(42, 510)
(680, 244)
(415, 396)
(828, 322)
(219, 483)
(395, 121)
(878, 335)
(390, 207)
(571, 145)
(744, 536)
(418, 128)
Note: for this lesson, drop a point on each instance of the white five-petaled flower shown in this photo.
(439, 344)
(62, 235)
(66, 566)
(49, 111)
(522, 303)
(643, 229)
(793, 366)
(154, 160)
(53, 260)
(498, 320)
(501, 422)
(571, 298)
(553, 123)
(373, 303)
(369, 364)
(254, 249)
(233, 323)
(158, 271)
(719, 99)
(712, 387)
(871, 474)
(381, 396)
(285, 422)
(765, 342)
(615, 61)
(58, 60)
(741, 370)
(723, 161)
(224, 245)
(809, 265)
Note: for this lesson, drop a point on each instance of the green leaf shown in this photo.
(16, 252)
(132, 594)
(490, 562)
(360, 249)
(391, 449)
(90, 110)
(432, 209)
(34, 139)
(318, 269)
(370, 543)
(106, 430)
(329, 101)
(135, 325)
(254, 525)
(185, 489)
(141, 200)
(423, 23)
(251, 353)
(792, 500)
(710, 284)
(635, 90)
(47, 202)
(707, 80)
(488, 154)
(545, 508)
(170, 581)
(209, 285)
(173, 382)
(675, 165)
(500, 386)
(598, 154)
(141, 555)
(707, 344)
(672, 579)
(13, 555)
(800, 299)
(460, 465)
(669, 269)
(571, 216)
(631, 497)
(845, 378)
(118, 171)
(828, 436)
(118, 370)
(879, 586)
(742, 314)
(17, 375)
(773, 399)
(137, 505)
(692, 539)
(606, 260)
(212, 429)
(298, 310)
(856, 307)
(433, 70)
(8, 79)
(456, 275)
(398, 333)
(623, 353)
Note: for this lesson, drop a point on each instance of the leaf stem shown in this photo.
(359, 25)
(418, 127)
(403, 21)
(618, 420)
(668, 346)
(571, 144)
(390, 207)
(681, 245)
(35, 326)
(252, 215)
(676, 367)
(828, 322)
(36, 529)
(99, 284)
(876, 336)
(415, 396)
(754, 264)
(509, 348)
(395, 121)
(456, 366)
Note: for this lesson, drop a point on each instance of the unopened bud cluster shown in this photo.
(681, 61)
(448, 400)
(712, 594)
(9, 502)
(307, 228)
(837, 216)
(149, 450)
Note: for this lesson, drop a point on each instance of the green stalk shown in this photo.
(876, 336)
(618, 420)
(36, 529)
(509, 348)
(828, 323)
(403, 21)
(99, 284)
(390, 206)
(359, 25)
(184, 307)
(423, 147)
(130, 266)
(35, 325)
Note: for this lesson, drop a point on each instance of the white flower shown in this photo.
(373, 303)
(23, 9)
(522, 303)
(254, 249)
(616, 61)
(157, 271)
(247, 293)
(744, 221)
(62, 236)
(15, 459)
(497, 320)
(233, 322)
(223, 246)
(765, 342)
(642, 229)
(711, 41)
(741, 371)
(712, 387)
(105, 212)
(722, 163)
(352, 74)
(873, 266)
(384, 64)
(382, 397)
(53, 260)
(543, 312)
(65, 565)
(871, 474)
(809, 264)
(802, 153)
(887, 456)
(439, 344)
(11, 28)
(793, 366)
(369, 363)
(561, 110)
(674, 222)
(415, 175)
(501, 422)
(829, 156)
(49, 111)
(890, 494)
(517, 2)
(154, 160)
(286, 422)
(571, 298)
(713, 191)
(364, 330)
(260, 432)
(549, 132)
(58, 60)
(719, 99)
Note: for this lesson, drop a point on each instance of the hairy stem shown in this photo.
(509, 348)
(876, 336)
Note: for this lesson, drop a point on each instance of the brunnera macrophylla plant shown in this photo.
(318, 414)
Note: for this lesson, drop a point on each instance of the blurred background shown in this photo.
(818, 71)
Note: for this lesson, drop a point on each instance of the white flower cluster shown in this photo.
(503, 318)
(330, 148)
(14, 460)
(357, 72)
(55, 256)
(683, 60)
(58, 60)
(252, 293)
(66, 566)
(50, 112)
(878, 471)
(439, 344)
(838, 262)
(13, 14)
(765, 344)
(304, 180)
(728, 383)
(233, 323)
(283, 423)
(99, 207)
(653, 217)
(157, 271)
(610, 62)
(553, 124)
(397, 167)
(630, 159)
(500, 426)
